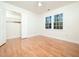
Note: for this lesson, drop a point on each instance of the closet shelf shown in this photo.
(13, 22)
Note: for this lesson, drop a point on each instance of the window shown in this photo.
(48, 22)
(58, 21)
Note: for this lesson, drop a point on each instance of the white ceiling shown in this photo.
(33, 5)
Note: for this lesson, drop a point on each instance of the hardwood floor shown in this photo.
(39, 46)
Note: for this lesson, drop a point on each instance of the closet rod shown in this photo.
(13, 22)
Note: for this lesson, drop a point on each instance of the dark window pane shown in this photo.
(50, 25)
(57, 27)
(61, 27)
(48, 22)
(54, 27)
(61, 23)
(57, 23)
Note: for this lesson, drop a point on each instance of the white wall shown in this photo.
(29, 21)
(33, 27)
(2, 24)
(70, 31)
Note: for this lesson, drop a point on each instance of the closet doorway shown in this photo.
(13, 24)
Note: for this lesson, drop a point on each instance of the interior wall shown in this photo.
(70, 32)
(33, 27)
(2, 24)
(29, 21)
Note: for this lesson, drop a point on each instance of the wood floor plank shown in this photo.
(39, 46)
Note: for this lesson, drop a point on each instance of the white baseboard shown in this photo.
(1, 43)
(64, 39)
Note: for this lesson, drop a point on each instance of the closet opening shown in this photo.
(13, 24)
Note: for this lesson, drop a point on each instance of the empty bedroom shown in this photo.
(39, 28)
